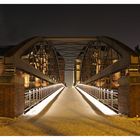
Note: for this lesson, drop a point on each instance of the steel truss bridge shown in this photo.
(103, 67)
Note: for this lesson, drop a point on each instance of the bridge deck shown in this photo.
(70, 104)
(70, 114)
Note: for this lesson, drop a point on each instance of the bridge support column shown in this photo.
(129, 96)
(11, 94)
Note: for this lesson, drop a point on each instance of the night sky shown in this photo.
(19, 22)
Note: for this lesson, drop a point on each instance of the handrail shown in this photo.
(36, 95)
(109, 97)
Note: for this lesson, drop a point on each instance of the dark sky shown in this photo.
(18, 22)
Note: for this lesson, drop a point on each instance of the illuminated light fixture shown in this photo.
(94, 64)
(38, 108)
(132, 69)
(26, 80)
(104, 109)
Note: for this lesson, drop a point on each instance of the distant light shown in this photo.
(104, 109)
(38, 108)
(26, 79)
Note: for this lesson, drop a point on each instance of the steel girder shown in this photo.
(14, 57)
(123, 62)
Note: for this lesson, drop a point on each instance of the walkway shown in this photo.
(70, 115)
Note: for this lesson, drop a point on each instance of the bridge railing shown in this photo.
(36, 95)
(106, 96)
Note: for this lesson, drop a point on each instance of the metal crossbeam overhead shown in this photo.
(70, 52)
(69, 49)
(68, 45)
(71, 57)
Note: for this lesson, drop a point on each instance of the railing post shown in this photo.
(101, 93)
(108, 92)
(104, 95)
(29, 97)
(39, 93)
(112, 100)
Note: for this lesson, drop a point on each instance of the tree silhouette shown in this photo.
(137, 49)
